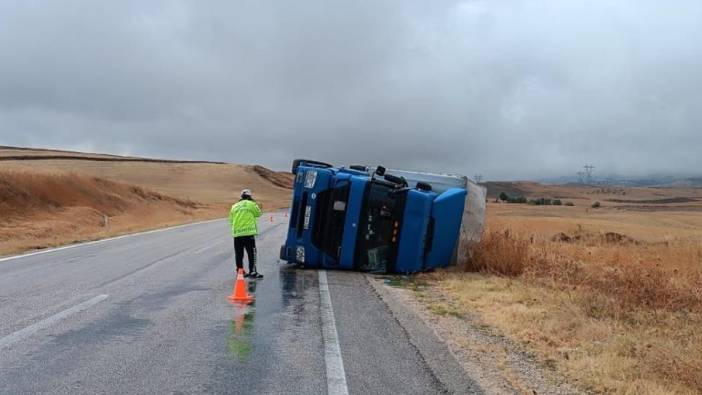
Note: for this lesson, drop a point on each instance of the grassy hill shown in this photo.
(49, 198)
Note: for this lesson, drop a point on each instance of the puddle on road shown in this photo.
(251, 287)
(294, 284)
(239, 342)
(280, 295)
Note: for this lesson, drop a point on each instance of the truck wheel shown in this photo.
(396, 180)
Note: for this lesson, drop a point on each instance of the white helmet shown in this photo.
(245, 192)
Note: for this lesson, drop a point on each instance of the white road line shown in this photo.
(43, 324)
(105, 240)
(336, 376)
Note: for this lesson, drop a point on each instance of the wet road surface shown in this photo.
(149, 314)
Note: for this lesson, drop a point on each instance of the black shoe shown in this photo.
(256, 275)
(247, 275)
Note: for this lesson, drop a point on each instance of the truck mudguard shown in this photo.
(446, 214)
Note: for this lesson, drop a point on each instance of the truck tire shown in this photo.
(396, 180)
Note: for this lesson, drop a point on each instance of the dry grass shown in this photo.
(212, 184)
(498, 253)
(24, 192)
(642, 353)
(43, 209)
(46, 203)
(611, 298)
(665, 275)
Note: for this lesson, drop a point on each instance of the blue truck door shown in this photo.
(446, 214)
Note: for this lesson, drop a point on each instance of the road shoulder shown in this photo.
(462, 353)
(435, 352)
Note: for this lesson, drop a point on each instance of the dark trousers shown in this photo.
(247, 243)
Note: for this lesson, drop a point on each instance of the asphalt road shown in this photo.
(148, 314)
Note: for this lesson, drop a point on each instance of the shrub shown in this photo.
(633, 279)
(518, 199)
(541, 202)
(498, 253)
(596, 205)
(570, 204)
(504, 197)
(557, 202)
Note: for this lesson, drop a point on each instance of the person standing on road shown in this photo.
(242, 218)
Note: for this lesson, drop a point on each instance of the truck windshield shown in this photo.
(379, 226)
(330, 214)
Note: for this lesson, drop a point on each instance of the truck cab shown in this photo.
(369, 219)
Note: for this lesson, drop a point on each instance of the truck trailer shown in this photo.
(373, 219)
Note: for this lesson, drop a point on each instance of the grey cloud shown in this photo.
(512, 89)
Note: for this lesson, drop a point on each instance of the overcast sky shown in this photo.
(509, 89)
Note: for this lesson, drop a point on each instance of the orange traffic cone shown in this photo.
(239, 293)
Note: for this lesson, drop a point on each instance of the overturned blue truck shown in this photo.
(377, 220)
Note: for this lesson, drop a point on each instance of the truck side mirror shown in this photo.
(380, 170)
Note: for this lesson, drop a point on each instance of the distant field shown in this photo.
(650, 199)
(643, 223)
(610, 297)
(87, 187)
